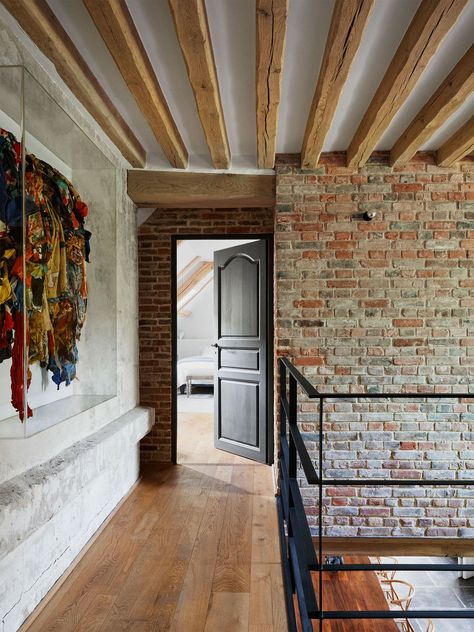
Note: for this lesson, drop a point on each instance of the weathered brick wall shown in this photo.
(382, 306)
(154, 251)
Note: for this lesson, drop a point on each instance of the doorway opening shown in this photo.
(222, 348)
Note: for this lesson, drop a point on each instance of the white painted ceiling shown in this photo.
(232, 27)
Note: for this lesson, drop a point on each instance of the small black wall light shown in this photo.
(368, 216)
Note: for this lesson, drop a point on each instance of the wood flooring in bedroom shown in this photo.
(194, 548)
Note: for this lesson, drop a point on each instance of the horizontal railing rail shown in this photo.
(299, 555)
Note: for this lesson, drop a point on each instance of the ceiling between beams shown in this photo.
(233, 33)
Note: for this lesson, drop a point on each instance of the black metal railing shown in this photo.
(299, 555)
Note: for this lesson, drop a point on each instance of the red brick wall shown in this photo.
(155, 301)
(382, 306)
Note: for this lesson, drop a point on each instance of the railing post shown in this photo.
(284, 484)
(292, 421)
(320, 513)
(292, 407)
(282, 396)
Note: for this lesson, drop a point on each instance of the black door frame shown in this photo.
(268, 238)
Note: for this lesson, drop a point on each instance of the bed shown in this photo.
(195, 370)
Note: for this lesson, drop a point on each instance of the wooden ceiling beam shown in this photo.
(187, 268)
(444, 102)
(192, 29)
(431, 23)
(271, 35)
(204, 268)
(348, 23)
(460, 144)
(168, 189)
(37, 19)
(190, 288)
(191, 296)
(116, 27)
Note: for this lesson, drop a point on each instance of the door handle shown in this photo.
(215, 345)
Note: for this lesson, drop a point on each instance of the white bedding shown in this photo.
(197, 366)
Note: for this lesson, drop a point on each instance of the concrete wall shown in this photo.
(58, 485)
(382, 306)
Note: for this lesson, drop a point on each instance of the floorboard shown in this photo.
(231, 607)
(232, 573)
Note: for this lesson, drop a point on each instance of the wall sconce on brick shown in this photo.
(368, 216)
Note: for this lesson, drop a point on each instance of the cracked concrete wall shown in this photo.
(58, 486)
(48, 513)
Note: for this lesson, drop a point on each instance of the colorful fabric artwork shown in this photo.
(44, 282)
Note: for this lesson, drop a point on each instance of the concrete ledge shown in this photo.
(17, 455)
(48, 513)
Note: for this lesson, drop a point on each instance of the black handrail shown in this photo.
(299, 556)
(305, 384)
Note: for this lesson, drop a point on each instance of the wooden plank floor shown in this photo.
(194, 548)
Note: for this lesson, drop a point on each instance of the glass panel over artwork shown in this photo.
(58, 335)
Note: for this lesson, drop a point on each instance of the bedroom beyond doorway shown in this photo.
(195, 335)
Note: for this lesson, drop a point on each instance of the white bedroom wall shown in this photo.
(200, 322)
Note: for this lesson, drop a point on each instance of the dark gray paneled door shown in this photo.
(240, 316)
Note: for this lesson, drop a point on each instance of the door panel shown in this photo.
(238, 412)
(239, 359)
(240, 304)
(238, 297)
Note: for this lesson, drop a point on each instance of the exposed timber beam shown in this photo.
(271, 34)
(445, 101)
(116, 27)
(192, 29)
(204, 268)
(458, 145)
(39, 22)
(187, 268)
(167, 189)
(192, 295)
(431, 23)
(190, 288)
(348, 23)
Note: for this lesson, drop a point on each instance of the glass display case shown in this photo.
(49, 143)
